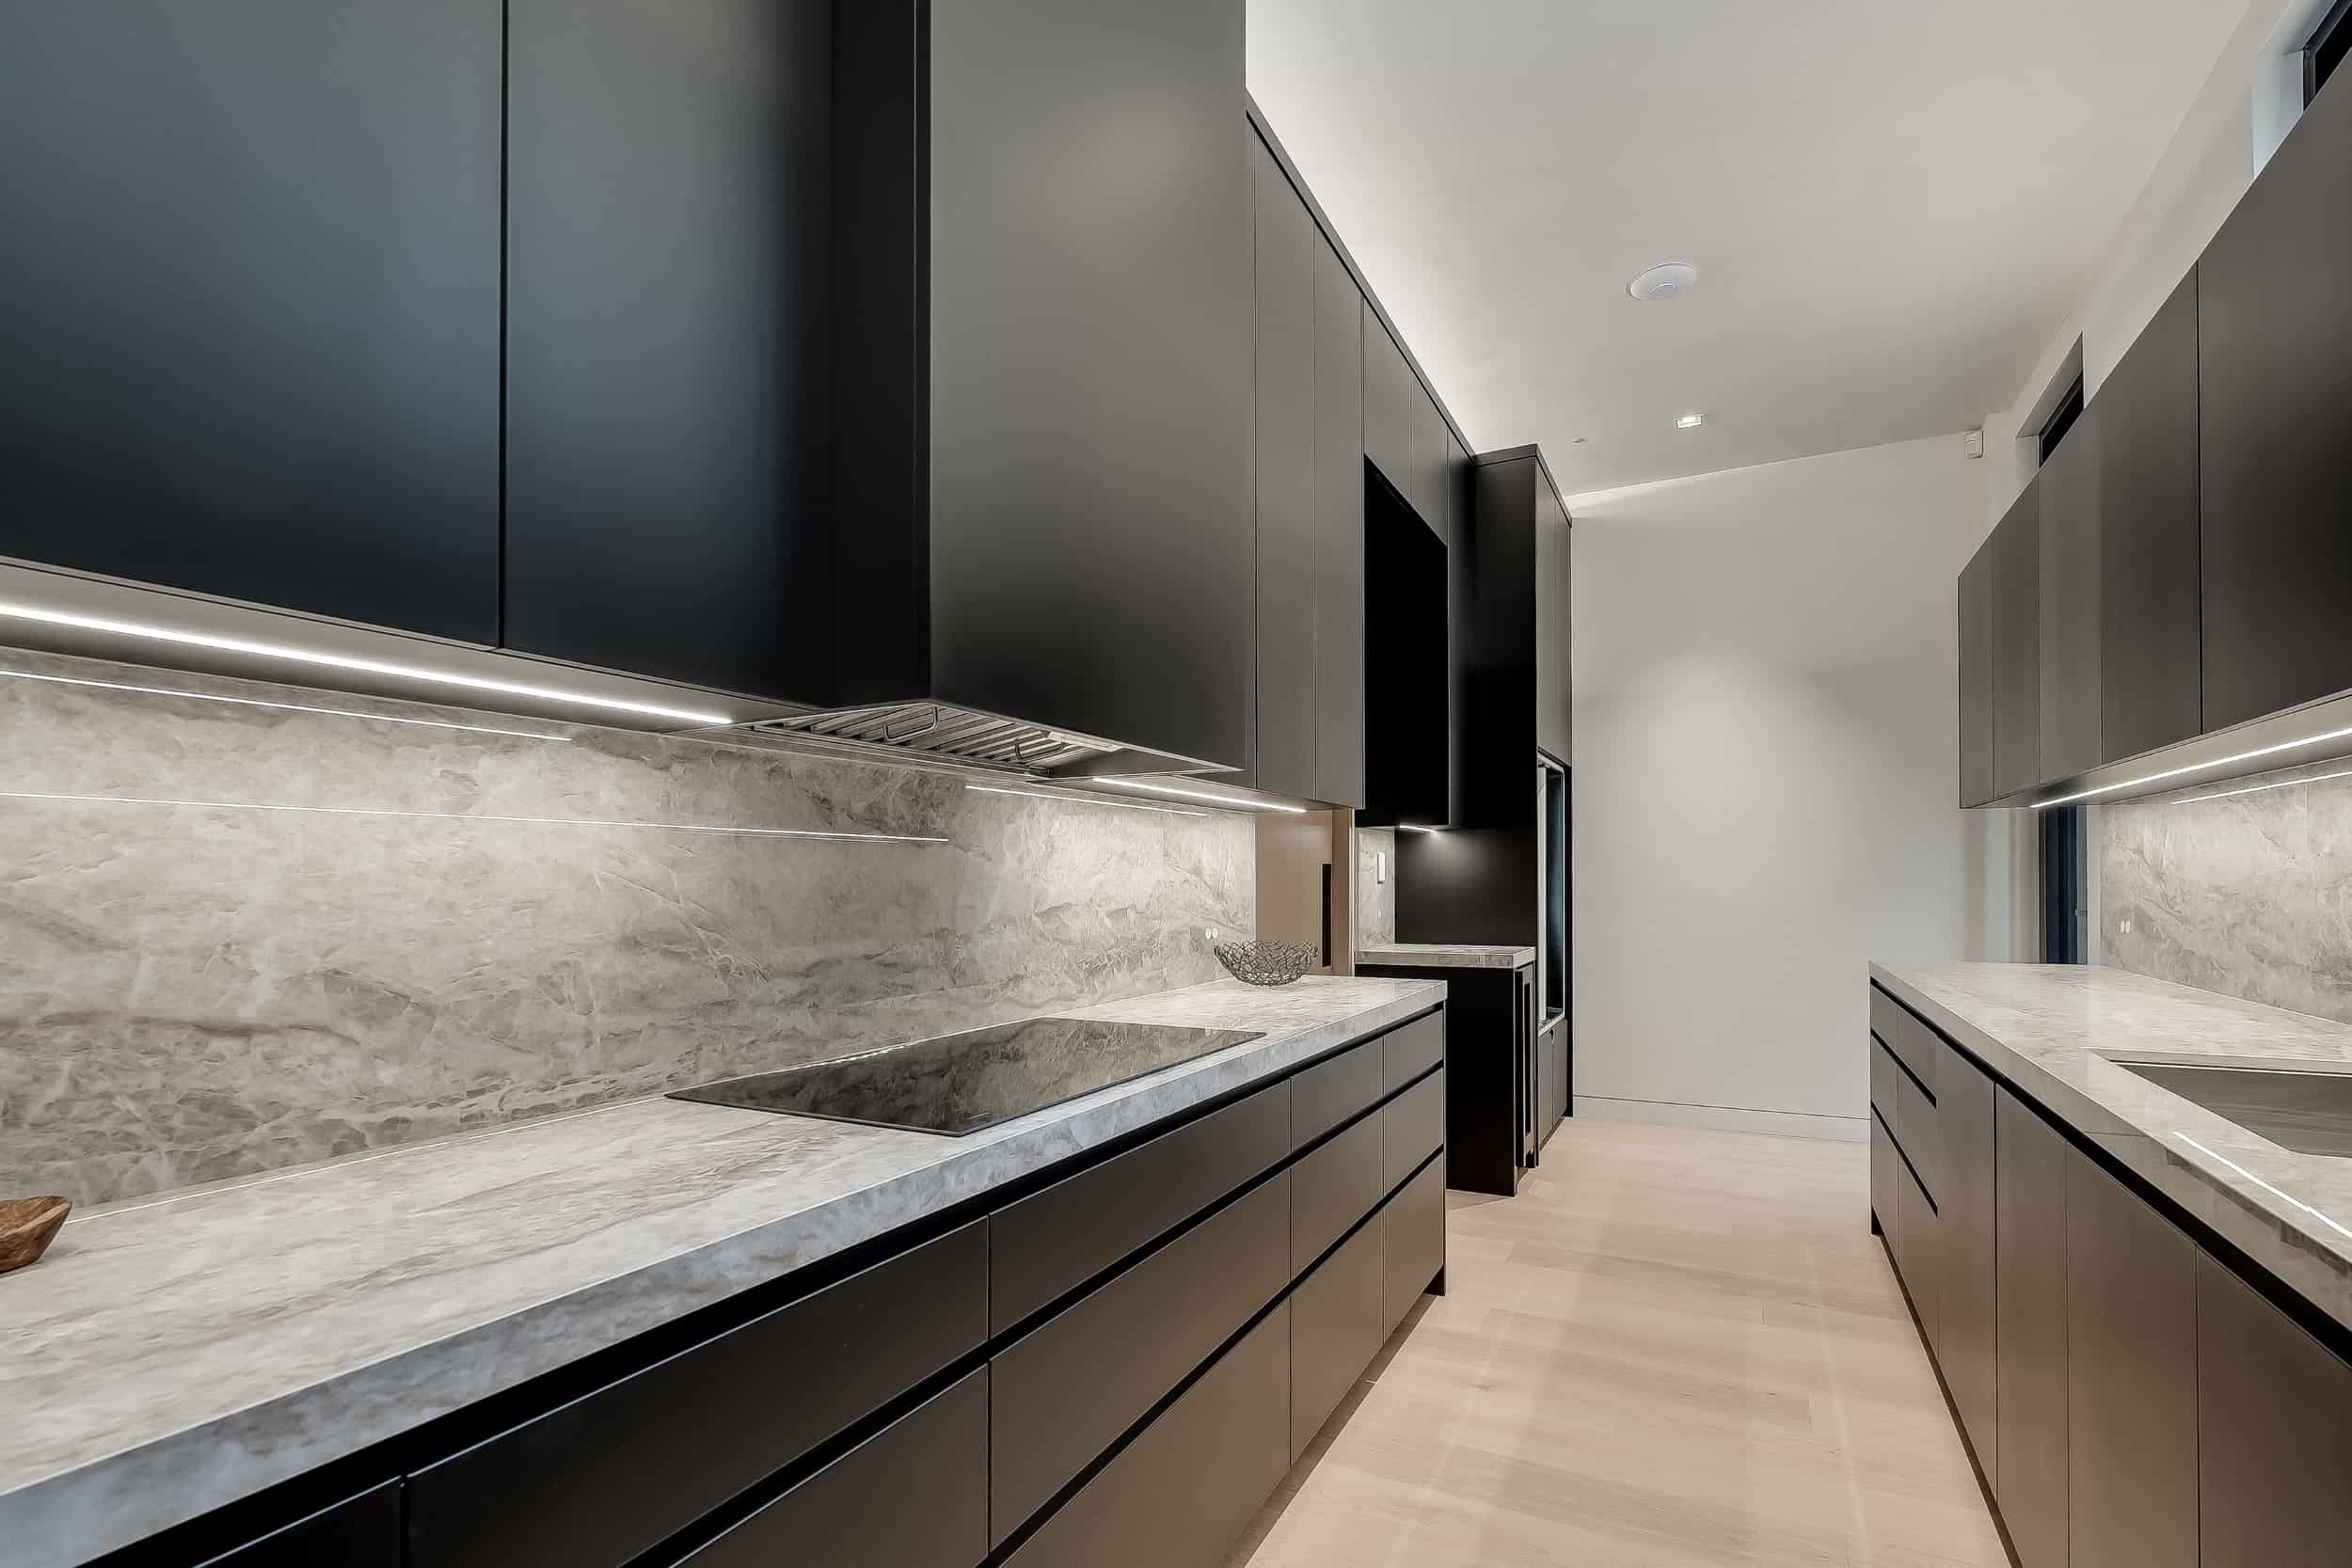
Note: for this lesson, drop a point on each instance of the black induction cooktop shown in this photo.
(960, 1084)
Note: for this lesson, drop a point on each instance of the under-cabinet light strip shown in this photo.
(2257, 789)
(1228, 802)
(465, 817)
(359, 666)
(2241, 1170)
(2197, 768)
(283, 708)
(1084, 799)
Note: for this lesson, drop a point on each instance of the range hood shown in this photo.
(967, 739)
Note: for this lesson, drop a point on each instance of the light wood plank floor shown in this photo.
(1674, 1347)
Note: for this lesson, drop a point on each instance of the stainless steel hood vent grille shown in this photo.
(978, 740)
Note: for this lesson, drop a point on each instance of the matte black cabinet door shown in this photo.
(2274, 333)
(1391, 396)
(1339, 771)
(665, 384)
(1413, 1243)
(2131, 1335)
(2068, 592)
(1335, 1331)
(1965, 1227)
(2274, 1425)
(1288, 242)
(1555, 702)
(249, 290)
(363, 1532)
(2150, 680)
(2029, 1314)
(1976, 678)
(2017, 645)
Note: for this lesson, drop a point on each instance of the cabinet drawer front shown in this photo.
(853, 1513)
(1334, 1187)
(1063, 1392)
(1067, 1233)
(1331, 1091)
(361, 1532)
(1181, 1493)
(1885, 1174)
(1883, 1072)
(1414, 1236)
(1412, 1126)
(1919, 1047)
(1918, 1256)
(1916, 1131)
(1335, 1332)
(1409, 1052)
(615, 1471)
(1886, 1016)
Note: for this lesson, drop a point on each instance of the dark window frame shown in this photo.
(2326, 50)
(2065, 901)
(2070, 408)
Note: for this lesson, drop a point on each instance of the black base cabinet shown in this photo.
(2147, 1405)
(1492, 1073)
(1175, 1317)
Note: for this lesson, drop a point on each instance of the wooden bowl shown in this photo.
(27, 1225)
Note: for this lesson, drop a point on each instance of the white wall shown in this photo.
(1765, 781)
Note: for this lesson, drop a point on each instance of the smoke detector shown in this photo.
(1670, 281)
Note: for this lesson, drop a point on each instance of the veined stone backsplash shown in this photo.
(1376, 886)
(2244, 888)
(192, 989)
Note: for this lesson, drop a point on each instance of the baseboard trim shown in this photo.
(1729, 1119)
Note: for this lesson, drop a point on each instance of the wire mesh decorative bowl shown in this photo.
(1265, 964)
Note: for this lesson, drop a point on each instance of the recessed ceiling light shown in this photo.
(1689, 422)
(1671, 281)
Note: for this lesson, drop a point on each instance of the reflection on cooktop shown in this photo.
(959, 1083)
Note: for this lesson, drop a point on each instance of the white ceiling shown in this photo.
(1893, 203)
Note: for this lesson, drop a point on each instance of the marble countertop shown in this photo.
(177, 1354)
(2053, 1030)
(1446, 955)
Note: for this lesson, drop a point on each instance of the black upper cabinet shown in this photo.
(1435, 455)
(1407, 769)
(1042, 504)
(666, 387)
(2017, 572)
(1339, 773)
(2068, 594)
(1288, 244)
(1976, 678)
(2150, 675)
(250, 289)
(1555, 701)
(2274, 325)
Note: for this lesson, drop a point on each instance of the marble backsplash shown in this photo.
(237, 936)
(2243, 888)
(1376, 886)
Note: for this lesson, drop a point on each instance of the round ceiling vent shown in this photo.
(1671, 281)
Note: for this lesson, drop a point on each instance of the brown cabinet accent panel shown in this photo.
(1414, 1236)
(1065, 1235)
(1412, 1127)
(1412, 1049)
(1333, 1188)
(1190, 1483)
(1335, 1331)
(855, 1513)
(1884, 1076)
(2131, 1333)
(1965, 1312)
(1332, 1090)
(2029, 1338)
(614, 1472)
(2274, 1428)
(1063, 1392)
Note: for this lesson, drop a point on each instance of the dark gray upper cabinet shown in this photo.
(2068, 594)
(1434, 458)
(1288, 244)
(2030, 1381)
(2274, 1423)
(250, 289)
(2017, 646)
(1976, 678)
(2149, 667)
(1392, 405)
(2131, 1316)
(2274, 321)
(1555, 699)
(1339, 770)
(1041, 501)
(666, 381)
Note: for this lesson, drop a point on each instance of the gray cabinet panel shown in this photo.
(2274, 1429)
(1886, 1169)
(1555, 699)
(1412, 1127)
(1918, 1258)
(1339, 769)
(1412, 1049)
(2068, 594)
(2131, 1333)
(1884, 1077)
(1413, 1236)
(1335, 1332)
(1390, 393)
(1976, 678)
(1334, 1089)
(1433, 448)
(1333, 1187)
(2029, 1316)
(1178, 1495)
(1288, 244)
(1920, 1132)
(1966, 1231)
(2150, 671)
(2017, 645)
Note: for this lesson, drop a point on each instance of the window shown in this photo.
(2062, 418)
(2065, 902)
(2326, 48)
